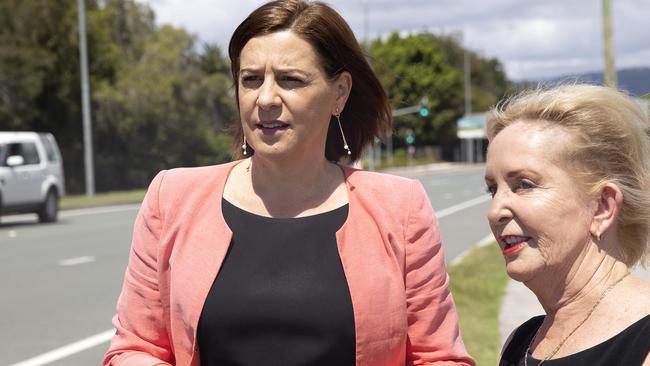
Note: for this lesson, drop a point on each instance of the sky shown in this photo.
(534, 39)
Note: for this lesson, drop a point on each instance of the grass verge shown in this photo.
(103, 199)
(478, 283)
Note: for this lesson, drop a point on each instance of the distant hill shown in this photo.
(635, 81)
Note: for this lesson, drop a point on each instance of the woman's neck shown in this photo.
(576, 289)
(289, 189)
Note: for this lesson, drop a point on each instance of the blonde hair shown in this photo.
(610, 144)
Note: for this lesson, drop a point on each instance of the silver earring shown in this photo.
(345, 143)
(243, 147)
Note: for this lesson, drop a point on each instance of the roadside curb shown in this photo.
(487, 240)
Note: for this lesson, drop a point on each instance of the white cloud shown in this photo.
(532, 38)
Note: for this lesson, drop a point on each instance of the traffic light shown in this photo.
(424, 107)
(410, 136)
(410, 139)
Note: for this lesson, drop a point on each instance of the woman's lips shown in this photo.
(513, 249)
(513, 244)
(271, 127)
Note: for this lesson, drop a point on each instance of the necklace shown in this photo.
(557, 348)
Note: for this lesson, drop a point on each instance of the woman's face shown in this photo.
(539, 215)
(285, 99)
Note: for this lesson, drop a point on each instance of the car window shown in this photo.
(49, 149)
(30, 154)
(25, 149)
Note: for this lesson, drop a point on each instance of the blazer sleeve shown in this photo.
(141, 336)
(433, 333)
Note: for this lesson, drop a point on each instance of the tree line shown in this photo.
(162, 99)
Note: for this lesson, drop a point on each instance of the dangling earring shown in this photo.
(598, 235)
(243, 147)
(345, 143)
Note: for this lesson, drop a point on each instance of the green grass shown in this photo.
(103, 199)
(400, 159)
(478, 283)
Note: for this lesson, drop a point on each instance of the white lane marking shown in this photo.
(98, 210)
(12, 234)
(77, 260)
(68, 350)
(461, 206)
(77, 212)
(487, 240)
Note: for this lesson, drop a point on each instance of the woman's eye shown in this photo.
(291, 81)
(491, 190)
(525, 184)
(251, 81)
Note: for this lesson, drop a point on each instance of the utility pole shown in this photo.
(469, 143)
(610, 67)
(468, 81)
(370, 150)
(85, 102)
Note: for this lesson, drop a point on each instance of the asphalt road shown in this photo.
(60, 282)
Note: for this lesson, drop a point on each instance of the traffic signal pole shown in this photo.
(422, 109)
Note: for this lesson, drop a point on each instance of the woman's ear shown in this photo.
(343, 86)
(609, 200)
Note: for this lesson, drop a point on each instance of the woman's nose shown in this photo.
(268, 95)
(499, 211)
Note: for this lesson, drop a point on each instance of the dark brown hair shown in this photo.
(367, 112)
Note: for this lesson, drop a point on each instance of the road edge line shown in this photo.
(487, 240)
(68, 350)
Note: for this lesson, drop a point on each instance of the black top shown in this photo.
(628, 348)
(281, 296)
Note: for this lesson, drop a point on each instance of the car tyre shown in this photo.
(50, 208)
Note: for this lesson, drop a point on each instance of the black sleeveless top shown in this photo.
(281, 296)
(628, 348)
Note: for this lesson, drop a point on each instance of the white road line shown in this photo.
(98, 210)
(77, 260)
(487, 240)
(461, 206)
(68, 350)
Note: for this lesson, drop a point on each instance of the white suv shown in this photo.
(31, 174)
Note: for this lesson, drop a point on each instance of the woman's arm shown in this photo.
(433, 332)
(141, 336)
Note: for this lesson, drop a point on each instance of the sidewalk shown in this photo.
(520, 304)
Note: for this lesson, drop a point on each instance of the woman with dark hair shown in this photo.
(286, 257)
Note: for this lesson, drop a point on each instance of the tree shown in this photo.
(427, 65)
(413, 67)
(157, 102)
(163, 111)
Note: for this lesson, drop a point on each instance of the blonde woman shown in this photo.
(568, 170)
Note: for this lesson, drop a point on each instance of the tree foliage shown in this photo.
(427, 65)
(157, 100)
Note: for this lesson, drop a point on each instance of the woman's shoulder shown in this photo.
(377, 181)
(182, 176)
(519, 339)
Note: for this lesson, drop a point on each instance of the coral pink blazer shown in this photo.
(390, 248)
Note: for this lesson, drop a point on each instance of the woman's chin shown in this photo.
(518, 271)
